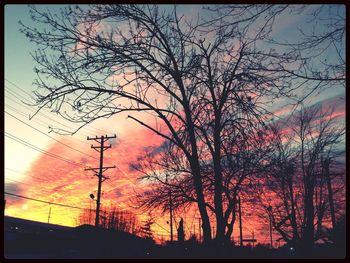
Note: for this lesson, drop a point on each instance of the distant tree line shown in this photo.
(112, 218)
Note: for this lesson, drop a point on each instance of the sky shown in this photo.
(35, 174)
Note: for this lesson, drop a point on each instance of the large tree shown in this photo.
(198, 80)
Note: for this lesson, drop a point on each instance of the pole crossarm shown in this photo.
(105, 138)
(105, 168)
(249, 240)
(99, 148)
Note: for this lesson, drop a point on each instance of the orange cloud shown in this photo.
(57, 181)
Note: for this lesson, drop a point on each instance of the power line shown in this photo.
(42, 201)
(38, 121)
(15, 138)
(45, 188)
(25, 106)
(162, 227)
(90, 128)
(69, 146)
(20, 182)
(30, 176)
(40, 113)
(17, 86)
(16, 171)
(15, 181)
(16, 94)
(113, 187)
(21, 173)
(66, 145)
(127, 177)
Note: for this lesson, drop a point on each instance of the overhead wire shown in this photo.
(91, 128)
(32, 185)
(15, 181)
(66, 145)
(29, 145)
(37, 121)
(18, 172)
(43, 201)
(63, 125)
(40, 113)
(16, 94)
(162, 227)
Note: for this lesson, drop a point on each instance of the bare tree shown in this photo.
(199, 80)
(294, 191)
(146, 230)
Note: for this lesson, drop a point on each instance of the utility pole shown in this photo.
(199, 227)
(330, 191)
(171, 216)
(48, 218)
(253, 238)
(194, 230)
(271, 245)
(101, 148)
(270, 218)
(170, 211)
(240, 222)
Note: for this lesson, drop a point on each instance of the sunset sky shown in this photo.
(39, 174)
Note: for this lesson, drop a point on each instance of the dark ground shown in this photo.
(92, 243)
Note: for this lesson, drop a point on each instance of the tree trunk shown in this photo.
(230, 225)
(308, 236)
(330, 193)
(220, 224)
(195, 168)
(201, 202)
(292, 204)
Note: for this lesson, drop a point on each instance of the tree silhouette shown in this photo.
(199, 80)
(295, 193)
(146, 230)
(180, 231)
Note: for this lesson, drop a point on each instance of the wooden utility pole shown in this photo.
(48, 218)
(171, 216)
(170, 211)
(270, 217)
(253, 239)
(101, 148)
(199, 227)
(241, 227)
(271, 244)
(240, 222)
